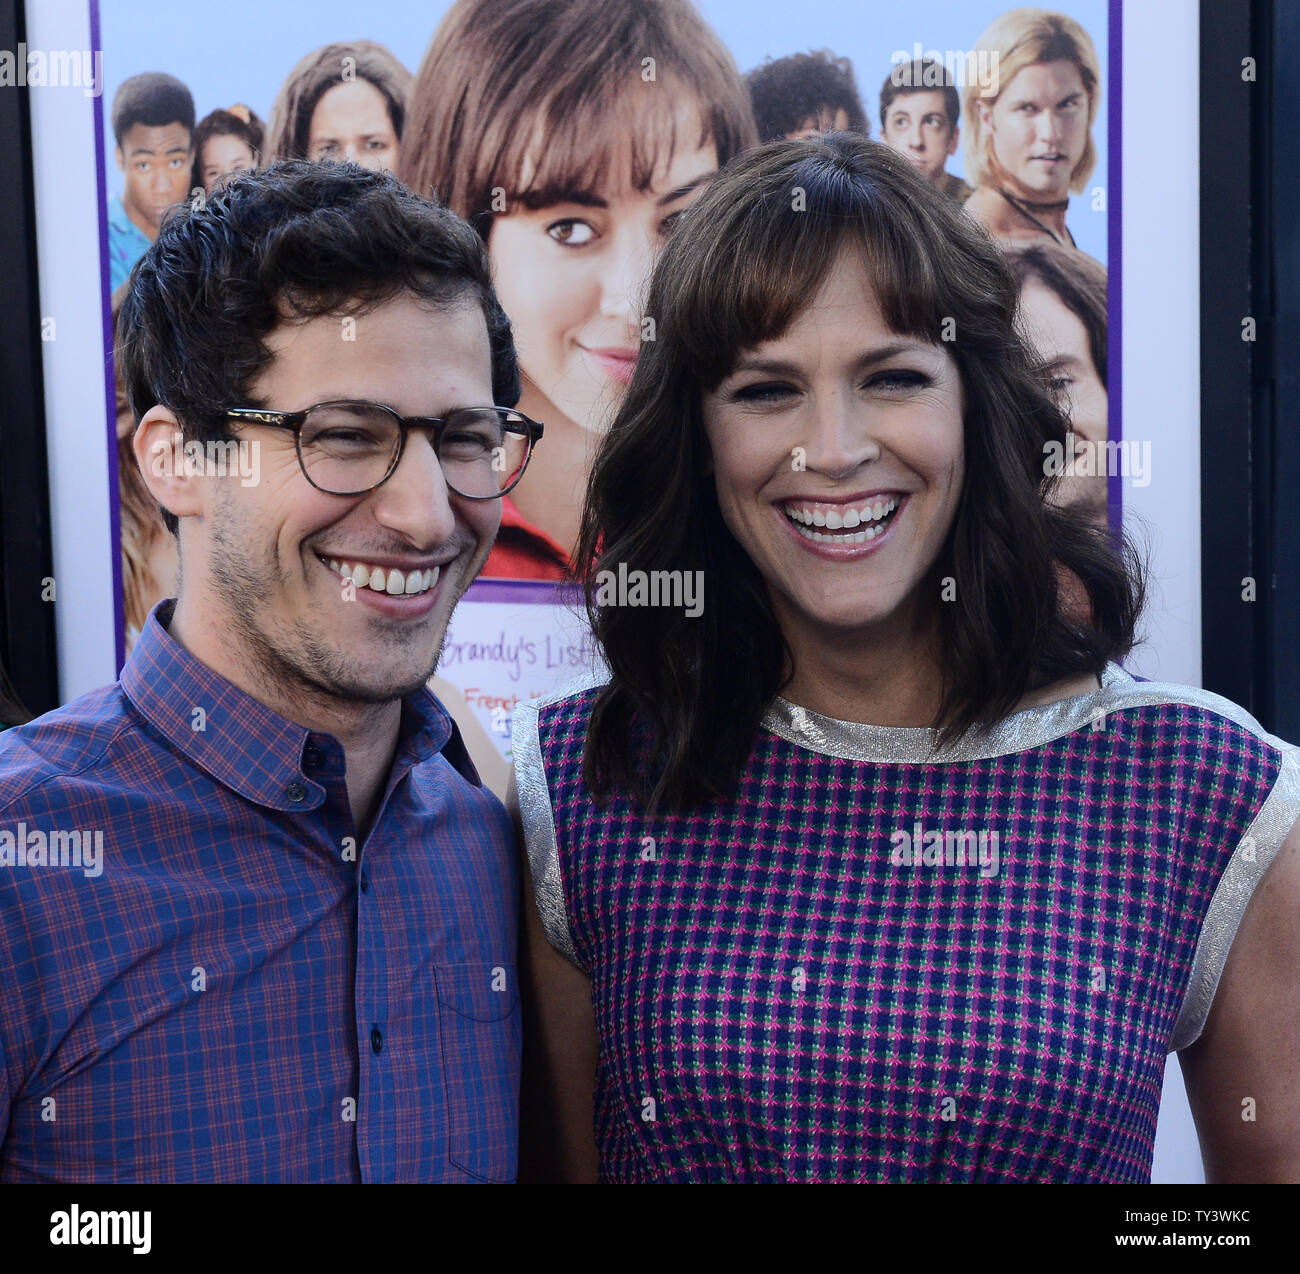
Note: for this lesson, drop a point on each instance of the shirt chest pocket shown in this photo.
(480, 1024)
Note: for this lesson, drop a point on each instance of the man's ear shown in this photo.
(956, 137)
(159, 446)
(121, 159)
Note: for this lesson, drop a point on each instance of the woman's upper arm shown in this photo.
(1243, 1072)
(557, 1134)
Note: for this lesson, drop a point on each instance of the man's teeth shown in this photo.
(873, 516)
(386, 580)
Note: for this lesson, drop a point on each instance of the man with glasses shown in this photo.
(284, 947)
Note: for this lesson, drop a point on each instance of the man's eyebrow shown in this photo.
(686, 189)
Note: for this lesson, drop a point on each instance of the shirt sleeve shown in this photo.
(539, 829)
(1250, 860)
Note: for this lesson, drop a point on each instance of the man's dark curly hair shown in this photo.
(290, 242)
(789, 91)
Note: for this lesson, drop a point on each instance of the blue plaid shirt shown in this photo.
(204, 977)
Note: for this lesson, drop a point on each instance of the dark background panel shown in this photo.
(27, 645)
(1283, 244)
(1250, 390)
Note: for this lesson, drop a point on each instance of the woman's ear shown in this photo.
(159, 446)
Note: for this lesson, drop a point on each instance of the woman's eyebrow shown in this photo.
(686, 189)
(536, 200)
(1065, 363)
(881, 354)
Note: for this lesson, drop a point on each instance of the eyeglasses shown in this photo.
(350, 448)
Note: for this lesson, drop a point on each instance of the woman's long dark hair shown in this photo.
(677, 721)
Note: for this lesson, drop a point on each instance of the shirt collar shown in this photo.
(120, 219)
(245, 745)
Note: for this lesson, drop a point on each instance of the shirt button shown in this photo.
(376, 1039)
(296, 792)
(365, 880)
(313, 758)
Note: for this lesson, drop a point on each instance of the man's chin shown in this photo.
(1044, 188)
(375, 690)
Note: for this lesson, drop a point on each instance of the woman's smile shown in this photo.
(843, 529)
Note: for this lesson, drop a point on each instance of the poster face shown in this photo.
(572, 157)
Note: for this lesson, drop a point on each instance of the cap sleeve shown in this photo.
(1250, 860)
(539, 829)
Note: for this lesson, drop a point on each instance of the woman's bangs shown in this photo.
(601, 143)
(776, 264)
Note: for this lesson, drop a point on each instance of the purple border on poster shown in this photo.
(1115, 252)
(110, 382)
(530, 592)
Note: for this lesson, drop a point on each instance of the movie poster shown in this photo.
(573, 159)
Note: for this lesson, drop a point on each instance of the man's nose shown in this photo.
(415, 501)
(1050, 127)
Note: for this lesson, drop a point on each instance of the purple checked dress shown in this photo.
(878, 962)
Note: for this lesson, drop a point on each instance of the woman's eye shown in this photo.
(571, 233)
(668, 224)
(898, 378)
(764, 393)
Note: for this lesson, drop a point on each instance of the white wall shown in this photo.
(67, 214)
(1161, 394)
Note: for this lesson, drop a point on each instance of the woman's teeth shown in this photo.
(386, 580)
(873, 517)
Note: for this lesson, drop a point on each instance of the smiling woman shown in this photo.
(823, 386)
(580, 132)
(840, 875)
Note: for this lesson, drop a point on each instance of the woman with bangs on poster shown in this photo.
(878, 866)
(572, 134)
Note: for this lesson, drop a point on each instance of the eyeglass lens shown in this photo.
(348, 448)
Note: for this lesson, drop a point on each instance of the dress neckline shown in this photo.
(1027, 728)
